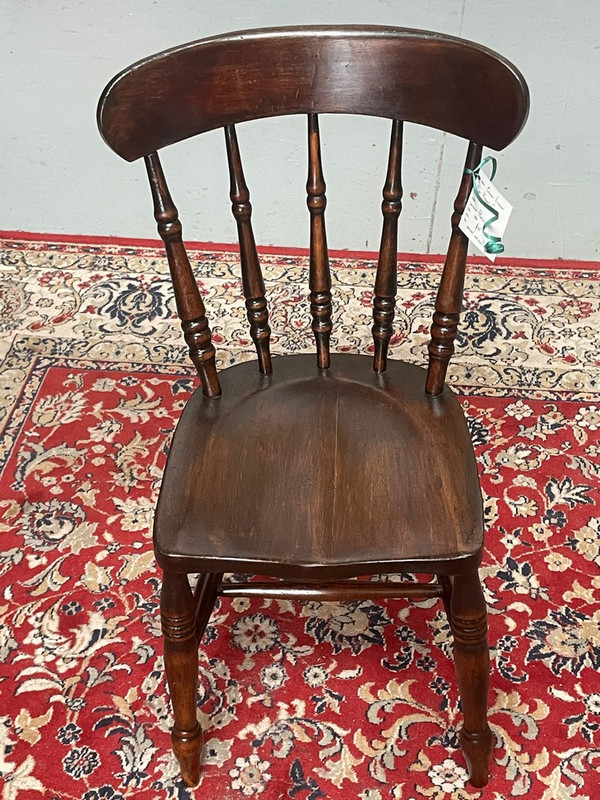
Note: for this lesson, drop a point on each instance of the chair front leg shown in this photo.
(181, 666)
(468, 619)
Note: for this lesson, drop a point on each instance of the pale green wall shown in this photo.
(58, 176)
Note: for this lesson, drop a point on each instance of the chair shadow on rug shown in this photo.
(311, 470)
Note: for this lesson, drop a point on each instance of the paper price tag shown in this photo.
(476, 215)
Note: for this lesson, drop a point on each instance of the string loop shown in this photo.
(493, 245)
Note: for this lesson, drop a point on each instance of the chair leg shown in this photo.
(181, 667)
(204, 599)
(446, 584)
(468, 619)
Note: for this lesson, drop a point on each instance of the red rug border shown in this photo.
(427, 258)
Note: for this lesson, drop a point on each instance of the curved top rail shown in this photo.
(418, 76)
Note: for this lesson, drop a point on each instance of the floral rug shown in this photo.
(298, 700)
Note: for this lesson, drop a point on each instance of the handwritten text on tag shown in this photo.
(476, 215)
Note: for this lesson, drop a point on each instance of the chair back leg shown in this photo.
(205, 596)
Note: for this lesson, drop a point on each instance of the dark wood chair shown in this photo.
(317, 470)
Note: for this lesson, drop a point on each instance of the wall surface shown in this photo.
(57, 176)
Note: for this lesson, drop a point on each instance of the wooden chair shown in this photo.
(318, 470)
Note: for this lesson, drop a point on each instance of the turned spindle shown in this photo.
(386, 282)
(252, 279)
(449, 297)
(190, 307)
(319, 274)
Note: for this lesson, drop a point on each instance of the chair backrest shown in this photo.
(404, 75)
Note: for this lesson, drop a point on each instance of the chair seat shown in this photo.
(320, 474)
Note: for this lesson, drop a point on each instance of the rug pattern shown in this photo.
(311, 700)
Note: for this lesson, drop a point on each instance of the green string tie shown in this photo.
(493, 244)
